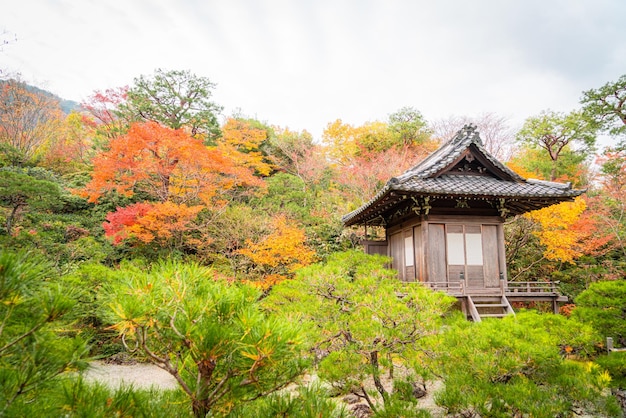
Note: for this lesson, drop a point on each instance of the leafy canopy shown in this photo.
(556, 132)
(177, 99)
(607, 105)
(165, 164)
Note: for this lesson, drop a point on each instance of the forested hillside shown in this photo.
(145, 220)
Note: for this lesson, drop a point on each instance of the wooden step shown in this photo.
(490, 305)
(499, 315)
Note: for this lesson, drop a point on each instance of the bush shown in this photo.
(519, 366)
(615, 364)
(603, 305)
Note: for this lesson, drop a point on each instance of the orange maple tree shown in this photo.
(556, 232)
(160, 222)
(278, 255)
(167, 165)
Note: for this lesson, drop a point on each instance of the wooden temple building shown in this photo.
(443, 221)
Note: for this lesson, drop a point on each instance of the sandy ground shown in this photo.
(139, 375)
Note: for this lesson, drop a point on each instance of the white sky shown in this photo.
(302, 64)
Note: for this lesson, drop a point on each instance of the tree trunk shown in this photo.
(11, 218)
(200, 408)
(376, 376)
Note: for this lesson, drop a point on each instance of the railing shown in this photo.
(510, 288)
(531, 287)
(453, 288)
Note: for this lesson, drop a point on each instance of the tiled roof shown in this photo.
(450, 151)
(483, 186)
(433, 177)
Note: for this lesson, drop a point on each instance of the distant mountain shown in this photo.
(67, 106)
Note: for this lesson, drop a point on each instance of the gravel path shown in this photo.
(141, 376)
(144, 376)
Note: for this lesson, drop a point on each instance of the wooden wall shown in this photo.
(430, 238)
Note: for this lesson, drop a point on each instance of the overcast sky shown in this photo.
(303, 64)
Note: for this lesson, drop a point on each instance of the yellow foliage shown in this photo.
(340, 140)
(523, 171)
(556, 233)
(282, 251)
(241, 142)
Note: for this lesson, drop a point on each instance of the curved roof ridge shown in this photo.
(449, 152)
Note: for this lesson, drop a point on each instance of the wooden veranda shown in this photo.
(496, 302)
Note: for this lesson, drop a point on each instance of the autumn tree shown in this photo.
(607, 106)
(177, 99)
(297, 154)
(28, 118)
(340, 141)
(165, 164)
(69, 148)
(344, 142)
(610, 204)
(242, 142)
(557, 133)
(568, 231)
(162, 223)
(366, 156)
(102, 113)
(277, 255)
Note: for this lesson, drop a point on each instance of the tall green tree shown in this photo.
(556, 133)
(408, 124)
(177, 99)
(607, 106)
